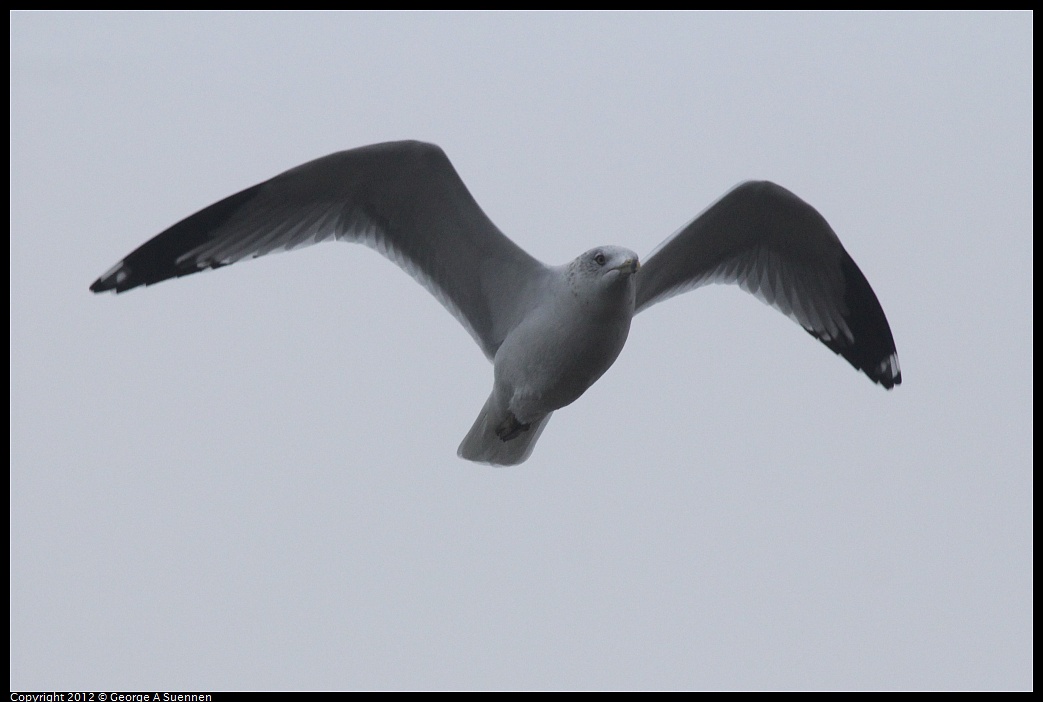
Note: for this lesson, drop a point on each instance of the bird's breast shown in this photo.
(552, 357)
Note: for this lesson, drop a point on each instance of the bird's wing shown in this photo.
(776, 246)
(403, 199)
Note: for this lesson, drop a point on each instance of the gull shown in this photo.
(550, 331)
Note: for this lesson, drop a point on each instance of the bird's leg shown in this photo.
(510, 427)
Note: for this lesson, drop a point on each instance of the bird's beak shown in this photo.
(628, 266)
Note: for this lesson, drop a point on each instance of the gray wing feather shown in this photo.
(774, 245)
(403, 199)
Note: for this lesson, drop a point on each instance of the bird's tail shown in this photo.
(483, 445)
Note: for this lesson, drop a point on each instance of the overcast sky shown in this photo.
(247, 479)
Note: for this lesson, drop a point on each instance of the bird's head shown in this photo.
(605, 273)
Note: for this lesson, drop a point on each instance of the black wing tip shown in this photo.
(165, 255)
(872, 347)
(865, 356)
(114, 280)
(886, 373)
(123, 277)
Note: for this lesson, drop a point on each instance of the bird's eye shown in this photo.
(599, 259)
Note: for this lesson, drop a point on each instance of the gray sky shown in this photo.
(247, 479)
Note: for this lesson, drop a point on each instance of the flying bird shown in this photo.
(550, 331)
